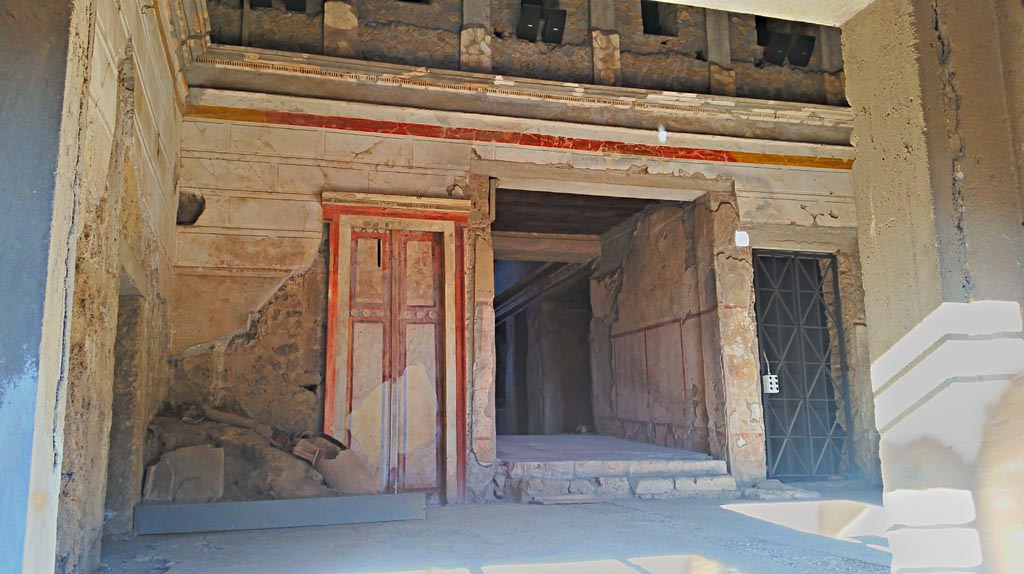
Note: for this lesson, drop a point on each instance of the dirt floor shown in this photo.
(627, 537)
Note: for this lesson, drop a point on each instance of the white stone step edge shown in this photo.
(621, 487)
(599, 468)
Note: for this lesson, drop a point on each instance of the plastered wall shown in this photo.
(940, 236)
(125, 213)
(274, 371)
(262, 184)
(646, 343)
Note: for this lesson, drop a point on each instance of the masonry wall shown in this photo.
(756, 79)
(646, 343)
(125, 214)
(273, 371)
(274, 28)
(676, 60)
(411, 33)
(569, 61)
(428, 34)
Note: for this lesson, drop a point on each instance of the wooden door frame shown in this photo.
(449, 217)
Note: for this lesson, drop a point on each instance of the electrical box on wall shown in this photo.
(771, 384)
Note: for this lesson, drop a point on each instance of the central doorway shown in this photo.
(800, 334)
(543, 315)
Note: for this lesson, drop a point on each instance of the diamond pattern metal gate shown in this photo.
(802, 342)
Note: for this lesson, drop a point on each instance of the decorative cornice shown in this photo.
(380, 74)
(395, 201)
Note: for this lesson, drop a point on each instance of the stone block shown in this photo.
(187, 475)
(652, 486)
(516, 469)
(418, 183)
(598, 468)
(526, 489)
(348, 473)
(722, 80)
(607, 58)
(217, 173)
(556, 469)
(775, 490)
(341, 29)
(546, 486)
(441, 154)
(613, 487)
(274, 141)
(205, 136)
(705, 483)
(371, 149)
(312, 179)
(676, 467)
(581, 486)
(475, 49)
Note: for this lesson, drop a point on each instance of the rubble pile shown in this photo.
(210, 455)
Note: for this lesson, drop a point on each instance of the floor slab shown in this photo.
(631, 537)
(576, 447)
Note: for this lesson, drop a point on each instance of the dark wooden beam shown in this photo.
(546, 281)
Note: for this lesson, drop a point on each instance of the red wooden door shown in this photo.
(394, 341)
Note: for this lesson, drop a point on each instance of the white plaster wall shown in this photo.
(262, 183)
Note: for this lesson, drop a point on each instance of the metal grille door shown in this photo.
(801, 341)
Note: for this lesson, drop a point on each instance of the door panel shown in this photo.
(394, 351)
(417, 321)
(420, 441)
(369, 266)
(800, 338)
(369, 417)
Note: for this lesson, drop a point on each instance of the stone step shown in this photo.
(525, 489)
(614, 468)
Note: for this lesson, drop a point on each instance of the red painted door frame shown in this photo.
(331, 213)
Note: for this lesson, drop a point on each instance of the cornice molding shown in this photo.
(580, 95)
(417, 202)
